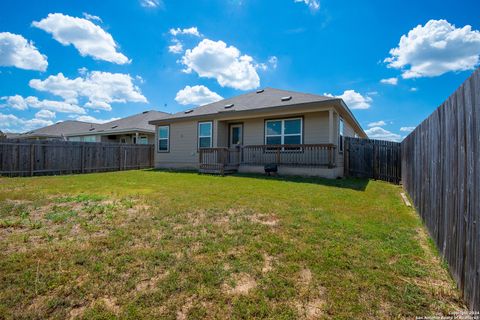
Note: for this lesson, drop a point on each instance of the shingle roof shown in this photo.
(266, 98)
(59, 129)
(136, 122)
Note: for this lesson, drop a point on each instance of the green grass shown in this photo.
(166, 245)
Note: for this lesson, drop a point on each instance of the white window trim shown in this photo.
(341, 134)
(282, 135)
(167, 138)
(209, 136)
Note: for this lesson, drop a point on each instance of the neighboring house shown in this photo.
(301, 133)
(133, 129)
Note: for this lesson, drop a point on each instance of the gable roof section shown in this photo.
(259, 100)
(137, 122)
(58, 129)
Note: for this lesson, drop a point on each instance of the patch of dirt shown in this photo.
(150, 283)
(266, 220)
(305, 277)
(111, 304)
(77, 312)
(243, 284)
(267, 263)
(311, 309)
(183, 312)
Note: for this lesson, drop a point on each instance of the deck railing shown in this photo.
(219, 159)
(298, 155)
(301, 155)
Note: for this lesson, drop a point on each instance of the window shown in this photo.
(163, 138)
(341, 129)
(285, 131)
(74, 139)
(142, 140)
(204, 134)
(89, 139)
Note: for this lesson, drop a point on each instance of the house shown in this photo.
(133, 129)
(299, 133)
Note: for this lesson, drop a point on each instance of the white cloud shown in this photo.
(88, 38)
(213, 59)
(101, 89)
(17, 102)
(407, 129)
(10, 122)
(414, 89)
(377, 124)
(392, 81)
(196, 95)
(353, 99)
(45, 114)
(92, 17)
(312, 4)
(176, 47)
(94, 120)
(382, 134)
(193, 31)
(434, 49)
(150, 3)
(16, 51)
(273, 60)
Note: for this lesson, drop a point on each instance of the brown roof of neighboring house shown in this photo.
(58, 129)
(137, 122)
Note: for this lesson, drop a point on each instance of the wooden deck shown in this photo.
(227, 160)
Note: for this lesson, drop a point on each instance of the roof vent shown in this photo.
(113, 127)
(260, 91)
(91, 129)
(228, 106)
(287, 98)
(189, 111)
(145, 112)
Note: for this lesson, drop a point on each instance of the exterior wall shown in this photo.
(183, 151)
(315, 128)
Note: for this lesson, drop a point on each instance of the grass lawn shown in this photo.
(164, 245)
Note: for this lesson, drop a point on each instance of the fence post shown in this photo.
(120, 157)
(32, 158)
(152, 155)
(82, 159)
(346, 151)
(278, 155)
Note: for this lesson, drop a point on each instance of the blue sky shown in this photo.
(99, 60)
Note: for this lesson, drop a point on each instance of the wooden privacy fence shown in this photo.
(29, 158)
(377, 159)
(441, 173)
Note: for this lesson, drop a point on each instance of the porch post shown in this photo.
(136, 137)
(330, 126)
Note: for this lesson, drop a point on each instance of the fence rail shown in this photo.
(441, 173)
(29, 157)
(376, 159)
